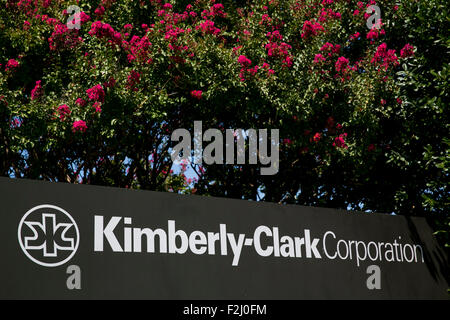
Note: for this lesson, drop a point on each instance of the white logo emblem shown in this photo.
(48, 235)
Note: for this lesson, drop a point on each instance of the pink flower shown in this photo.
(372, 34)
(330, 48)
(104, 30)
(81, 102)
(248, 72)
(208, 27)
(340, 141)
(79, 126)
(399, 101)
(96, 93)
(100, 11)
(97, 107)
(81, 17)
(319, 58)
(355, 36)
(130, 58)
(317, 137)
(252, 71)
(342, 64)
(311, 29)
(110, 83)
(117, 37)
(37, 91)
(63, 38)
(385, 57)
(26, 25)
(11, 65)
(371, 147)
(133, 79)
(63, 111)
(407, 51)
(244, 61)
(197, 94)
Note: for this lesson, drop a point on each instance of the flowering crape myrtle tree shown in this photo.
(92, 96)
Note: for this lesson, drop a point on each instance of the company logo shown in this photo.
(48, 235)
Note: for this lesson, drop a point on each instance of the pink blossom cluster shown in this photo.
(45, 18)
(63, 111)
(374, 33)
(172, 32)
(318, 58)
(96, 93)
(207, 27)
(311, 29)
(79, 17)
(216, 10)
(246, 71)
(244, 61)
(97, 107)
(11, 65)
(63, 38)
(29, 7)
(342, 64)
(278, 49)
(327, 14)
(331, 49)
(138, 47)
(385, 57)
(407, 51)
(100, 10)
(79, 126)
(110, 83)
(355, 36)
(317, 136)
(265, 19)
(81, 102)
(197, 94)
(37, 91)
(329, 52)
(170, 17)
(104, 30)
(132, 80)
(266, 66)
(339, 141)
(26, 25)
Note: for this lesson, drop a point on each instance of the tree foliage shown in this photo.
(362, 113)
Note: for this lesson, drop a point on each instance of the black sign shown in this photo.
(69, 241)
